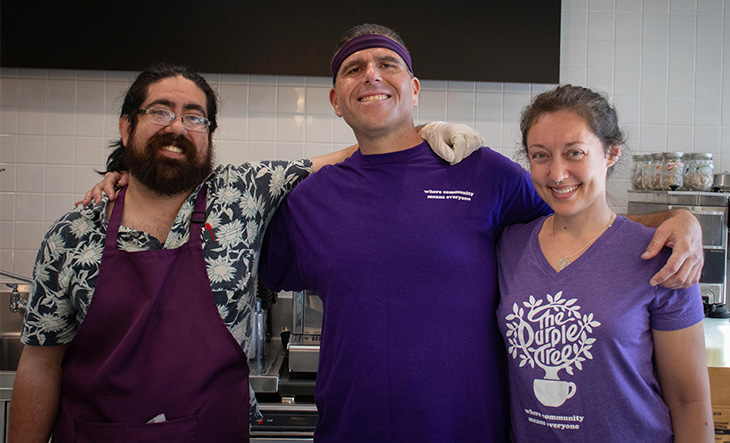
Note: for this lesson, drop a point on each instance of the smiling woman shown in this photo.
(568, 164)
(594, 332)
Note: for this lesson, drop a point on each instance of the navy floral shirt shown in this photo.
(241, 200)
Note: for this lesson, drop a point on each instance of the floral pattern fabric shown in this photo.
(240, 202)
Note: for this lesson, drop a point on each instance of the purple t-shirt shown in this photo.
(401, 249)
(579, 342)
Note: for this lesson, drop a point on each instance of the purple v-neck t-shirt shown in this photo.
(579, 342)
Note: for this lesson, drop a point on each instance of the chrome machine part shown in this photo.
(303, 345)
(721, 182)
(285, 388)
(711, 209)
(17, 302)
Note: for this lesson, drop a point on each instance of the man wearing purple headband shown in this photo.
(400, 247)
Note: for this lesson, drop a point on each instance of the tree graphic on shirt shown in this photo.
(552, 335)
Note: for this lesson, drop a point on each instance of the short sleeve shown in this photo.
(278, 267)
(676, 309)
(68, 257)
(522, 203)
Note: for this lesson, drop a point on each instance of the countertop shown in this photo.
(717, 341)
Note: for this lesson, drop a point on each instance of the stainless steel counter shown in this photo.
(7, 378)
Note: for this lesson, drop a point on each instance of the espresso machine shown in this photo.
(711, 209)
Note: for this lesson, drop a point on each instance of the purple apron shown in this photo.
(154, 343)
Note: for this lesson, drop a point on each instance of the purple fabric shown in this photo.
(548, 320)
(367, 42)
(153, 342)
(401, 249)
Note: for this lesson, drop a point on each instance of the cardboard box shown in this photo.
(720, 395)
(721, 416)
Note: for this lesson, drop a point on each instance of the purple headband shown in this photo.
(366, 42)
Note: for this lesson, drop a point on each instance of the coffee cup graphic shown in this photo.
(553, 393)
(551, 334)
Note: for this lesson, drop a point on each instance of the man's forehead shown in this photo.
(176, 91)
(373, 54)
(368, 41)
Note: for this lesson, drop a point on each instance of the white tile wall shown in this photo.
(664, 63)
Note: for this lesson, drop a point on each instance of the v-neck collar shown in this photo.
(578, 263)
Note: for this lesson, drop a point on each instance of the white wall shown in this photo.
(663, 63)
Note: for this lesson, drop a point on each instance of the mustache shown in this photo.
(164, 175)
(159, 141)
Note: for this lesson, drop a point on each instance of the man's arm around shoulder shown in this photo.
(333, 158)
(681, 231)
(36, 394)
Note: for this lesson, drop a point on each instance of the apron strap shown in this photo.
(197, 220)
(112, 228)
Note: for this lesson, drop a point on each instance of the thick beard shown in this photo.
(167, 176)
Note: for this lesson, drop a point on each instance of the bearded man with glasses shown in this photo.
(137, 325)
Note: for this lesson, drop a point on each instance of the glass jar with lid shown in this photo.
(656, 171)
(646, 173)
(672, 171)
(647, 176)
(698, 174)
(637, 168)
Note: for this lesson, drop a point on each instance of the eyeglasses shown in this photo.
(164, 117)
